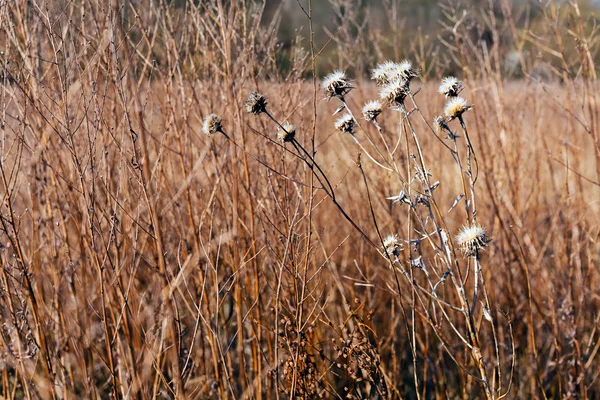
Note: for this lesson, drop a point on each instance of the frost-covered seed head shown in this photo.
(395, 92)
(286, 132)
(345, 124)
(392, 245)
(336, 84)
(212, 124)
(256, 103)
(371, 110)
(455, 107)
(471, 239)
(450, 87)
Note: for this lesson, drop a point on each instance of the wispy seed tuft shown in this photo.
(336, 84)
(371, 110)
(405, 71)
(395, 92)
(212, 124)
(456, 107)
(450, 87)
(345, 124)
(392, 245)
(471, 239)
(286, 132)
(382, 73)
(256, 103)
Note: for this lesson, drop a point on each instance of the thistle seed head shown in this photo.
(439, 124)
(471, 239)
(256, 103)
(395, 92)
(456, 107)
(345, 124)
(392, 245)
(371, 110)
(382, 73)
(450, 87)
(405, 71)
(336, 84)
(286, 132)
(212, 124)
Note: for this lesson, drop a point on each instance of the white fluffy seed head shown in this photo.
(455, 107)
(381, 74)
(439, 123)
(471, 239)
(371, 110)
(392, 245)
(256, 103)
(286, 132)
(212, 124)
(345, 124)
(404, 70)
(336, 84)
(395, 92)
(450, 87)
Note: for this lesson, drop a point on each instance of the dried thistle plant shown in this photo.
(256, 103)
(456, 107)
(345, 124)
(286, 132)
(471, 239)
(450, 87)
(212, 124)
(395, 92)
(336, 84)
(371, 110)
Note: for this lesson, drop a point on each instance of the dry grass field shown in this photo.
(150, 250)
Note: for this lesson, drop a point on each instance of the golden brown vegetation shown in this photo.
(142, 258)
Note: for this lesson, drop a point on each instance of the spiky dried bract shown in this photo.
(395, 92)
(455, 107)
(471, 239)
(345, 124)
(212, 124)
(286, 132)
(450, 87)
(336, 84)
(371, 110)
(392, 245)
(381, 74)
(256, 103)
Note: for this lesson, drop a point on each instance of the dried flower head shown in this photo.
(382, 73)
(405, 71)
(286, 132)
(450, 87)
(345, 124)
(456, 107)
(395, 92)
(439, 124)
(336, 84)
(371, 110)
(256, 103)
(392, 245)
(212, 124)
(471, 239)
